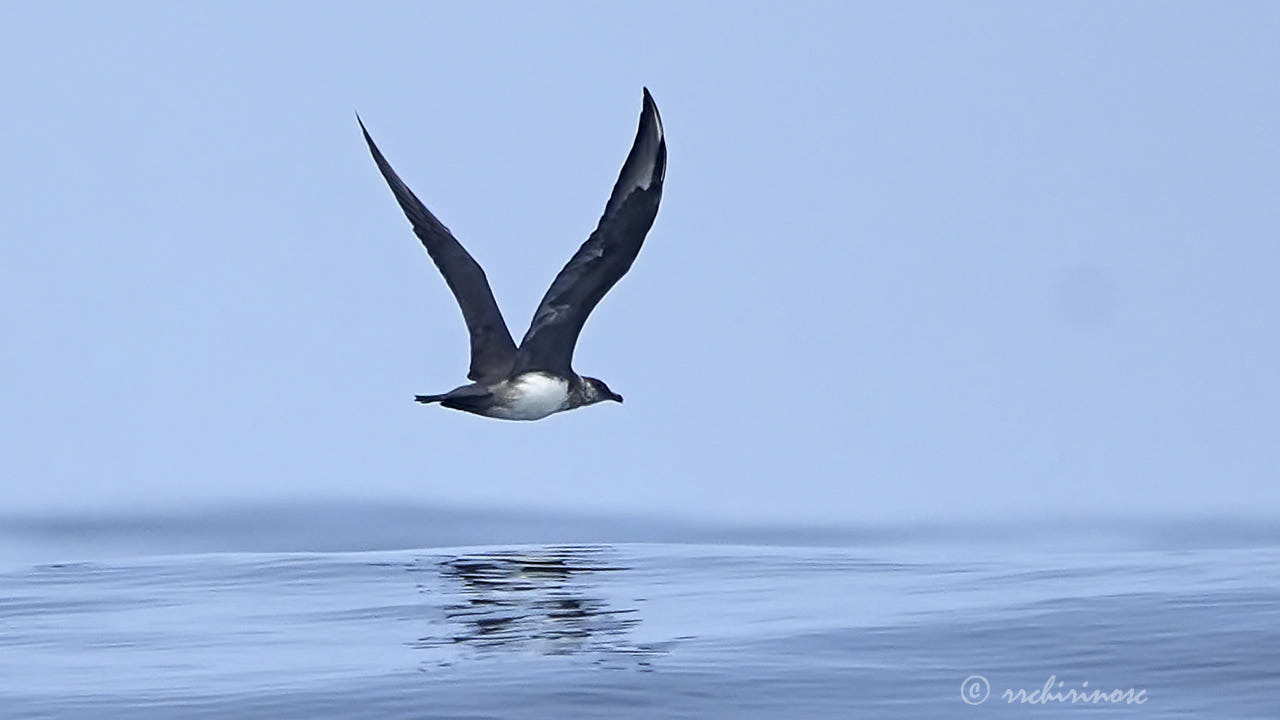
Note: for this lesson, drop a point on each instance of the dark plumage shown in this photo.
(537, 378)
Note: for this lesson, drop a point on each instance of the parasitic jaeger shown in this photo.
(536, 379)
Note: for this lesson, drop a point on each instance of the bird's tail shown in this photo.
(428, 399)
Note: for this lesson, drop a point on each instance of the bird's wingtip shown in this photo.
(651, 108)
(365, 131)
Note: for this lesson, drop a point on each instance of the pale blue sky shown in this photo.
(913, 259)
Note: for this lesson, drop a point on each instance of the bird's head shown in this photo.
(597, 391)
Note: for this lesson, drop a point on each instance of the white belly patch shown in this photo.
(534, 396)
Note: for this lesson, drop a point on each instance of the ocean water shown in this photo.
(228, 615)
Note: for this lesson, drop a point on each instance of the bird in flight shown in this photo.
(536, 379)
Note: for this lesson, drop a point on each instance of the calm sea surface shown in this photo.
(92, 625)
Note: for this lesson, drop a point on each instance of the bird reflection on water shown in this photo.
(539, 600)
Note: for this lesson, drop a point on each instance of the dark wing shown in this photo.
(492, 349)
(604, 258)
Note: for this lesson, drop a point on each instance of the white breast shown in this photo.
(534, 396)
